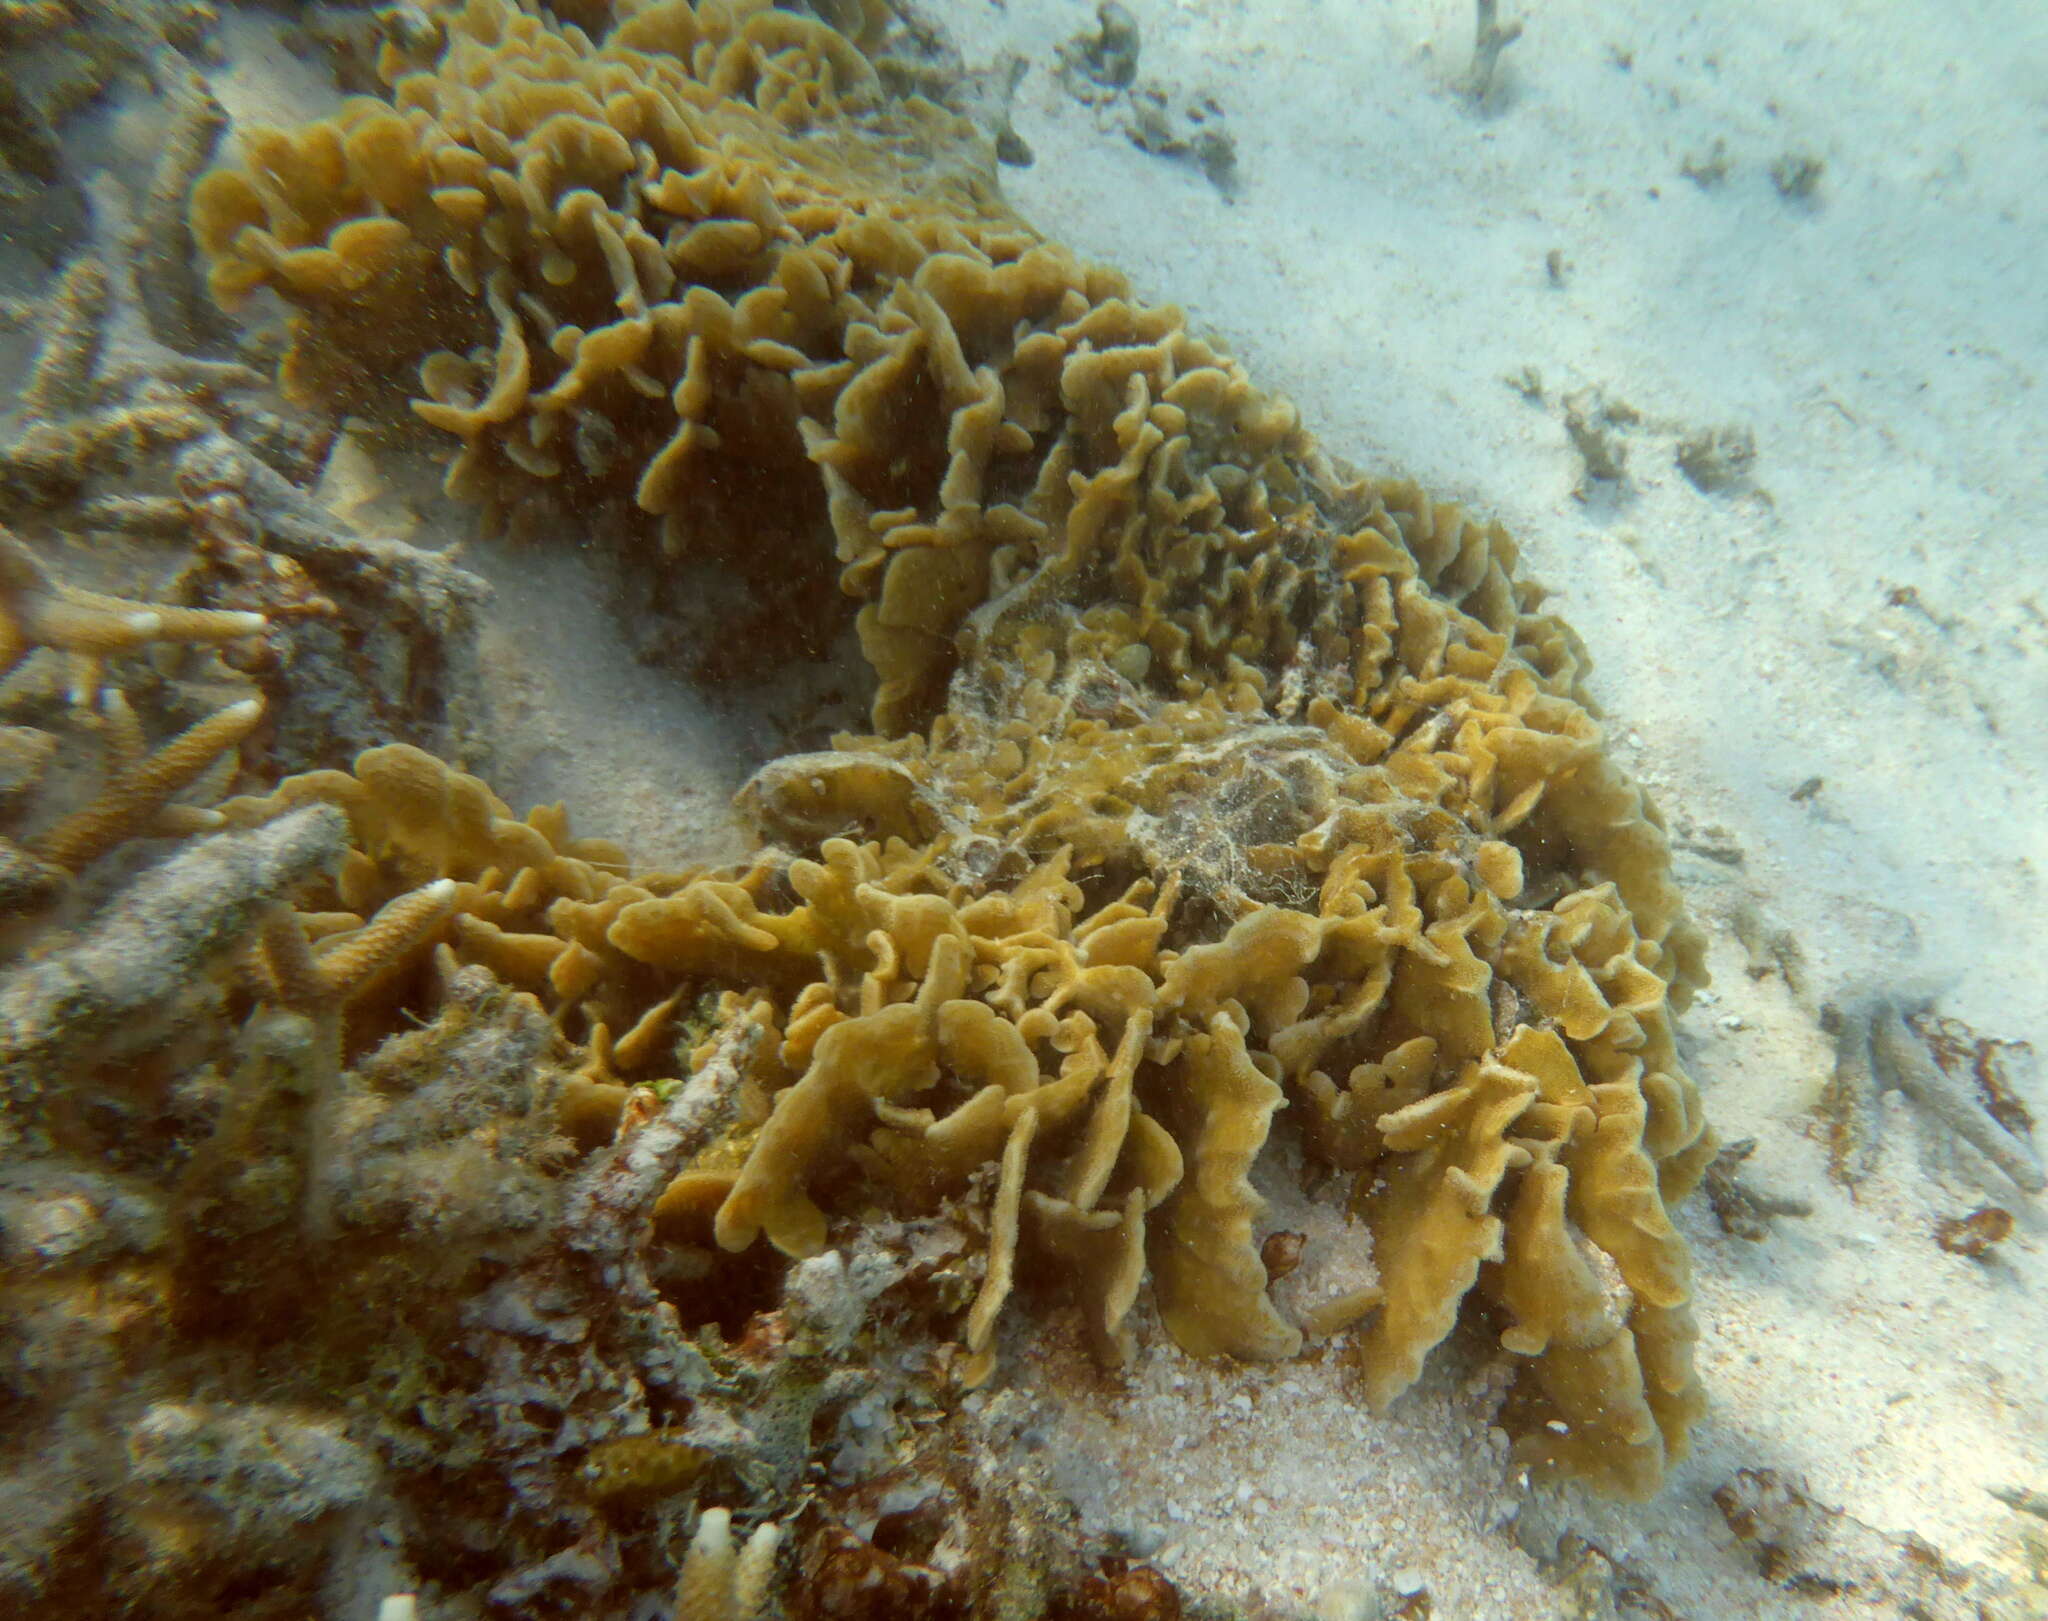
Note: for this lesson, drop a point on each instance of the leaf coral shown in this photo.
(1218, 795)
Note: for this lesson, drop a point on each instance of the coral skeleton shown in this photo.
(1904, 1061)
(1880, 1046)
(158, 935)
(1489, 38)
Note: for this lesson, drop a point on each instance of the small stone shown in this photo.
(1350, 1601)
(58, 1229)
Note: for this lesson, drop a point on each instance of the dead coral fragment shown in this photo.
(1106, 60)
(104, 393)
(1809, 1548)
(1122, 1590)
(1956, 1077)
(392, 628)
(161, 932)
(1591, 1581)
(1976, 1234)
(1995, 1068)
(207, 1483)
(1489, 38)
(1848, 1102)
(2026, 1499)
(1716, 459)
(1593, 424)
(1903, 1060)
(845, 1577)
(1796, 175)
(1739, 1208)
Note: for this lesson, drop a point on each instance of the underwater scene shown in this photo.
(1023, 810)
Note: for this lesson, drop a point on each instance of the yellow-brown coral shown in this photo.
(137, 792)
(719, 1582)
(1219, 793)
(37, 610)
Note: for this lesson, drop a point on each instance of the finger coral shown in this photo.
(719, 1583)
(1221, 799)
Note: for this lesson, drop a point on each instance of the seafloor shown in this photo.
(1734, 316)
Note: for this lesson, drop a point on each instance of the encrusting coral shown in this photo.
(1211, 781)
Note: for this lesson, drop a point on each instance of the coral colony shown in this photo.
(526, 1217)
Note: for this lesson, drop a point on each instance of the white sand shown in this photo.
(1383, 264)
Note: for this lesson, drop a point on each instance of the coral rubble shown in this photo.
(1955, 1076)
(60, 55)
(1218, 795)
(1811, 1548)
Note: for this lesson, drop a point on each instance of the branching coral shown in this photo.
(37, 610)
(719, 1582)
(1218, 793)
(104, 393)
(138, 788)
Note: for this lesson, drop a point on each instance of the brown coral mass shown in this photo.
(1218, 795)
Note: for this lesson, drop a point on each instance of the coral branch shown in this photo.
(1489, 39)
(155, 938)
(136, 795)
(38, 610)
(1905, 1062)
(719, 1582)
